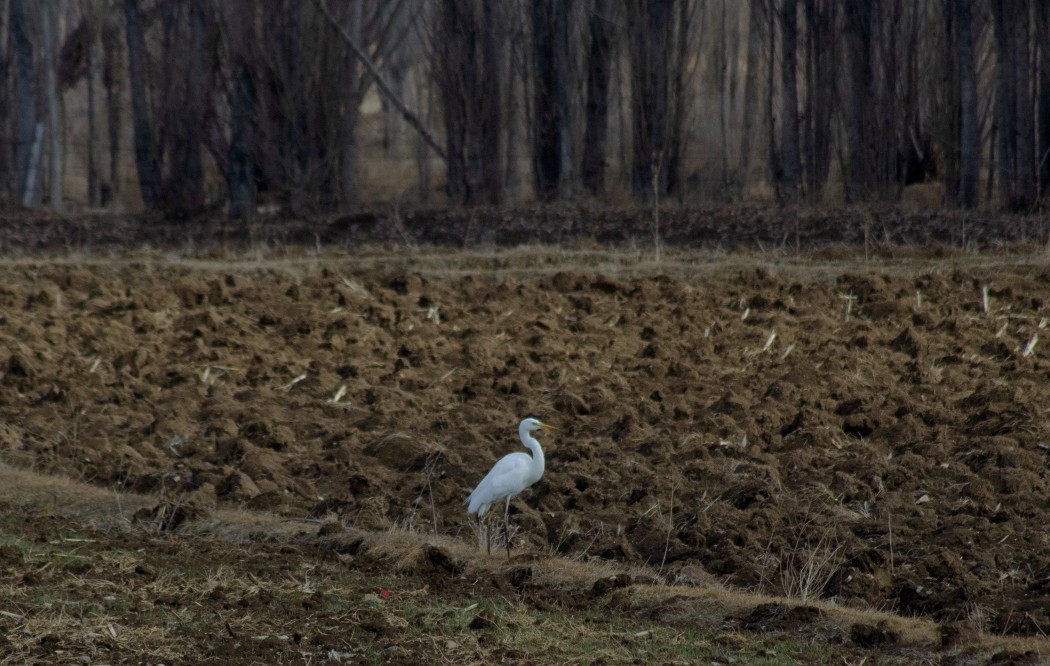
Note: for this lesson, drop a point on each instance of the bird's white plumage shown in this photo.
(509, 476)
(512, 473)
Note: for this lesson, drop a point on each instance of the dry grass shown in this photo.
(100, 606)
(532, 260)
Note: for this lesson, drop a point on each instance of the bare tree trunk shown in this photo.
(1042, 44)
(756, 30)
(1014, 104)
(49, 29)
(423, 101)
(885, 114)
(993, 135)
(859, 84)
(483, 120)
(969, 128)
(451, 65)
(112, 80)
(791, 165)
(242, 174)
(491, 111)
(1024, 107)
(294, 128)
(951, 110)
(622, 106)
(348, 159)
(94, 48)
(145, 161)
(724, 100)
(6, 176)
(733, 83)
(391, 116)
(1005, 98)
(184, 192)
(773, 168)
(550, 112)
(915, 146)
(348, 190)
(466, 80)
(650, 25)
(513, 74)
(679, 46)
(24, 100)
(599, 67)
(873, 123)
(821, 99)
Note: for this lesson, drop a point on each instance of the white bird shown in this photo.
(510, 475)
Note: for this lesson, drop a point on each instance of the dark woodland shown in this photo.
(193, 106)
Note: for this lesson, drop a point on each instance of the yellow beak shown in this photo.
(547, 427)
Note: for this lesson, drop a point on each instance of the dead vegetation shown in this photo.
(90, 585)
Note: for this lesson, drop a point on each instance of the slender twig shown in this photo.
(384, 87)
(657, 159)
(670, 527)
(889, 526)
(431, 466)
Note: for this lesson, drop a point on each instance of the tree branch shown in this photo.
(384, 88)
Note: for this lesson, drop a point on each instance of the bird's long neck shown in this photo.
(538, 460)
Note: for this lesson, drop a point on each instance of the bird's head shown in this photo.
(530, 424)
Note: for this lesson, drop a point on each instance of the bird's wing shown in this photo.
(507, 477)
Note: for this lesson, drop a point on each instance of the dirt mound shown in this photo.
(874, 437)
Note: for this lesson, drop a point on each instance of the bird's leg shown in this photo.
(506, 527)
(488, 537)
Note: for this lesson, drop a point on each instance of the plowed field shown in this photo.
(728, 417)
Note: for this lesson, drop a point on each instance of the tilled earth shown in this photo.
(820, 425)
(870, 432)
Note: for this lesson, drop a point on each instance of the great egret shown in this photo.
(510, 475)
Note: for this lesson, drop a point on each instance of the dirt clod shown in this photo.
(725, 420)
(867, 636)
(604, 585)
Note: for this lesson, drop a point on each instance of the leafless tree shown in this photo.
(48, 19)
(93, 17)
(234, 101)
(962, 156)
(24, 118)
(113, 80)
(1014, 104)
(170, 99)
(467, 73)
(872, 117)
(654, 29)
(381, 26)
(683, 44)
(757, 27)
(808, 72)
(821, 98)
(551, 111)
(790, 177)
(184, 105)
(728, 72)
(6, 176)
(241, 171)
(1042, 43)
(145, 159)
(599, 72)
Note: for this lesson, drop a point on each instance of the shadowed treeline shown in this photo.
(190, 105)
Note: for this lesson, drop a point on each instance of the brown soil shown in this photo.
(727, 420)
